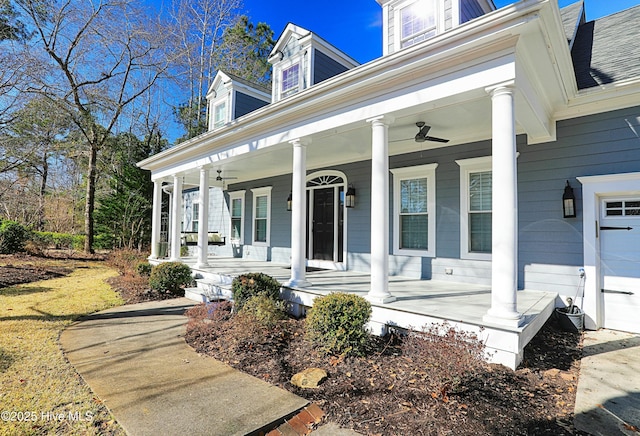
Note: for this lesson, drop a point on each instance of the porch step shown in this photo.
(209, 290)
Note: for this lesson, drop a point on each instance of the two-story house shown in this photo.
(485, 164)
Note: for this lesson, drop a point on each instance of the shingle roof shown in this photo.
(606, 50)
(570, 15)
(262, 87)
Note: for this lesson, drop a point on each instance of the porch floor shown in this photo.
(452, 301)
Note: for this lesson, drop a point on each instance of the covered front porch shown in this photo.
(417, 302)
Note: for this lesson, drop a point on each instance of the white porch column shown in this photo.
(298, 215)
(156, 218)
(176, 218)
(203, 219)
(379, 291)
(504, 223)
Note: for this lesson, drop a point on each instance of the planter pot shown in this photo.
(570, 321)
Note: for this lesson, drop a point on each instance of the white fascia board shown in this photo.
(220, 77)
(488, 34)
(289, 30)
(533, 112)
(605, 98)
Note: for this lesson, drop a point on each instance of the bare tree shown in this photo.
(199, 27)
(101, 55)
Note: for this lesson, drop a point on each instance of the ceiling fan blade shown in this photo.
(423, 131)
(402, 140)
(434, 139)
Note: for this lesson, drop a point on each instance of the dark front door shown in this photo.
(323, 220)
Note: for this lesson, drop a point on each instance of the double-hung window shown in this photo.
(220, 114)
(414, 210)
(417, 21)
(236, 202)
(261, 215)
(195, 219)
(476, 191)
(290, 80)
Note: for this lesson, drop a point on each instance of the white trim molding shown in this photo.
(467, 167)
(237, 195)
(593, 188)
(416, 172)
(261, 192)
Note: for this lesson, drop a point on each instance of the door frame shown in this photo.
(594, 189)
(327, 264)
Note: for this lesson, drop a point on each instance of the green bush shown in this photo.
(60, 240)
(265, 309)
(13, 237)
(144, 269)
(336, 323)
(248, 285)
(170, 277)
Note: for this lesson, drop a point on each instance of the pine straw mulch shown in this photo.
(23, 268)
(393, 392)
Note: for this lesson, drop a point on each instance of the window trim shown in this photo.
(195, 204)
(427, 171)
(295, 62)
(225, 117)
(237, 195)
(397, 12)
(467, 167)
(259, 192)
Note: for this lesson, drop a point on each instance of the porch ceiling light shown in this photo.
(568, 202)
(289, 202)
(350, 197)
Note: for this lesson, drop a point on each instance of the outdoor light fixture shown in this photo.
(289, 202)
(350, 197)
(568, 202)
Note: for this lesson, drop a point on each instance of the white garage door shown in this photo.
(620, 263)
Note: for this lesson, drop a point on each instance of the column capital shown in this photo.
(501, 88)
(205, 167)
(300, 142)
(381, 120)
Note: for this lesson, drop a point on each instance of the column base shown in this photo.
(296, 283)
(509, 319)
(380, 299)
(202, 265)
(175, 259)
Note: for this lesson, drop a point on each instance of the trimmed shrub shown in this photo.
(265, 309)
(170, 277)
(336, 323)
(248, 285)
(144, 269)
(13, 237)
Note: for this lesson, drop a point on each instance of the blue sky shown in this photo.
(354, 26)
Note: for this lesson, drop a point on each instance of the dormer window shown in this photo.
(290, 80)
(417, 21)
(219, 114)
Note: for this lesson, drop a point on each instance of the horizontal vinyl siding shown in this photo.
(246, 104)
(324, 67)
(469, 9)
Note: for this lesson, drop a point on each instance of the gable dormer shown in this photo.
(408, 22)
(230, 97)
(301, 59)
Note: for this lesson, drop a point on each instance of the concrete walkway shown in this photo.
(608, 397)
(136, 360)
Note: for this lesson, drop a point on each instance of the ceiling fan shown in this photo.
(422, 136)
(220, 178)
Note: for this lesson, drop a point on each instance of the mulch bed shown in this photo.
(391, 393)
(25, 269)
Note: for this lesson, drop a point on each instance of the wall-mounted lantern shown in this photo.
(568, 202)
(289, 202)
(350, 197)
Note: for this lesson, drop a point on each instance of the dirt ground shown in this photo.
(385, 392)
(391, 393)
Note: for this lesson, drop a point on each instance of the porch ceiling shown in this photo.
(460, 123)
